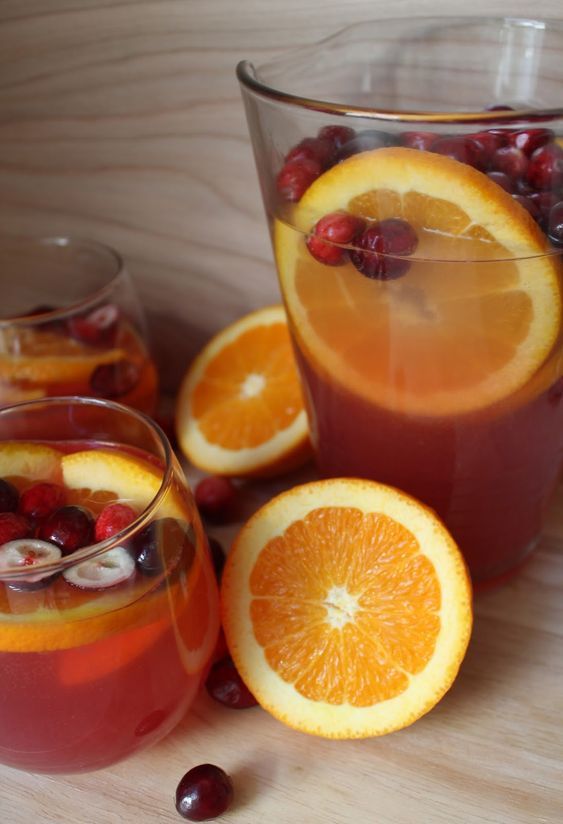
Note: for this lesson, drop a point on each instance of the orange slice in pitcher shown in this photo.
(346, 607)
(240, 409)
(38, 462)
(472, 320)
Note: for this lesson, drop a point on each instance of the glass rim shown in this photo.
(247, 76)
(90, 551)
(66, 241)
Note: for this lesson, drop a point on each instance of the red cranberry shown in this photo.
(9, 496)
(365, 142)
(215, 497)
(336, 227)
(499, 107)
(295, 178)
(378, 242)
(545, 201)
(113, 380)
(529, 205)
(112, 519)
(41, 500)
(69, 527)
(225, 685)
(513, 162)
(217, 556)
(161, 544)
(204, 792)
(418, 140)
(490, 141)
(98, 327)
(13, 526)
(546, 167)
(502, 180)
(312, 148)
(338, 135)
(461, 148)
(528, 140)
(555, 224)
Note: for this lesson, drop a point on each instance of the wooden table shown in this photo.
(490, 753)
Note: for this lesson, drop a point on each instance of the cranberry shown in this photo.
(528, 140)
(513, 162)
(312, 148)
(31, 555)
(546, 167)
(490, 141)
(9, 496)
(499, 107)
(529, 205)
(225, 685)
(40, 500)
(545, 201)
(161, 544)
(69, 527)
(107, 570)
(461, 148)
(41, 309)
(217, 556)
(13, 526)
(338, 135)
(112, 519)
(378, 242)
(295, 178)
(113, 380)
(555, 224)
(418, 140)
(215, 497)
(364, 142)
(98, 327)
(336, 227)
(204, 792)
(501, 179)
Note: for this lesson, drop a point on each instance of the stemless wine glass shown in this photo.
(71, 324)
(412, 174)
(108, 601)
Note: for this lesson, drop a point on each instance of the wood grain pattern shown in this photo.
(122, 121)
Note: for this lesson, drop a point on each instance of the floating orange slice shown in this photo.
(346, 607)
(33, 461)
(471, 322)
(240, 409)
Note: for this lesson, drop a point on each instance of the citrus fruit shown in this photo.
(473, 319)
(346, 607)
(29, 460)
(240, 409)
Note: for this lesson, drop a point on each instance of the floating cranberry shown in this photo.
(513, 162)
(40, 500)
(461, 148)
(312, 148)
(418, 140)
(295, 178)
(503, 180)
(377, 247)
(217, 556)
(98, 328)
(112, 519)
(9, 496)
(546, 167)
(555, 224)
(336, 227)
(225, 685)
(113, 380)
(161, 544)
(528, 140)
(365, 142)
(31, 555)
(107, 570)
(215, 498)
(204, 792)
(70, 528)
(529, 205)
(13, 526)
(338, 135)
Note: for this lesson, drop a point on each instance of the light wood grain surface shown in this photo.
(122, 121)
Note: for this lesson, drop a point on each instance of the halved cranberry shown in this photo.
(161, 544)
(336, 227)
(13, 526)
(204, 792)
(546, 167)
(70, 528)
(113, 380)
(215, 497)
(295, 178)
(555, 224)
(501, 179)
(338, 135)
(217, 556)
(377, 246)
(40, 500)
(31, 555)
(365, 141)
(312, 148)
(112, 519)
(9, 496)
(107, 570)
(418, 140)
(528, 140)
(461, 148)
(513, 162)
(529, 205)
(225, 685)
(98, 327)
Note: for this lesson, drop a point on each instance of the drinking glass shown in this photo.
(105, 632)
(412, 176)
(71, 324)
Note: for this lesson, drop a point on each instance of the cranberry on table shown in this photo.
(13, 526)
(334, 228)
(9, 496)
(204, 792)
(225, 685)
(40, 500)
(295, 178)
(510, 160)
(113, 380)
(215, 498)
(418, 140)
(70, 528)
(338, 135)
(546, 167)
(377, 248)
(112, 519)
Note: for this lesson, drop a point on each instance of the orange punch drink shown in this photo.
(71, 324)
(415, 193)
(108, 601)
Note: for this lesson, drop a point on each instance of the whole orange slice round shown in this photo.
(346, 607)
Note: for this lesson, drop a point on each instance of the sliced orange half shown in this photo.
(33, 461)
(240, 409)
(470, 323)
(346, 607)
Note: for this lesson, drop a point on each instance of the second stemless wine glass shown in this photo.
(71, 324)
(108, 601)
